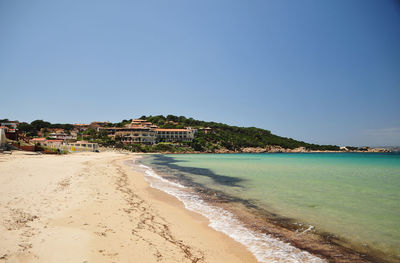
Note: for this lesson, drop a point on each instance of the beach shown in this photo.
(93, 207)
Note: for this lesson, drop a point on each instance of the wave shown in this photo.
(264, 247)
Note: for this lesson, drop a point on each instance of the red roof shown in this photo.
(183, 130)
(38, 139)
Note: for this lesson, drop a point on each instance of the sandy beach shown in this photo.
(91, 207)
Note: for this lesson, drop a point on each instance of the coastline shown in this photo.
(92, 207)
(320, 244)
(272, 150)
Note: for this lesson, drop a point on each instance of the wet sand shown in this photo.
(91, 207)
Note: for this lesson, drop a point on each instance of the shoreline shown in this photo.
(92, 207)
(322, 244)
(255, 152)
(263, 246)
(260, 152)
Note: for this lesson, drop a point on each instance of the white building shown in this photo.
(174, 135)
(2, 137)
(61, 136)
(138, 134)
(81, 146)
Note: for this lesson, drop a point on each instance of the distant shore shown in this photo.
(273, 149)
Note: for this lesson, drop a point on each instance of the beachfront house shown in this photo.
(39, 141)
(53, 143)
(81, 146)
(48, 143)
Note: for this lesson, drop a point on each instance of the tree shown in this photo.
(38, 124)
(27, 128)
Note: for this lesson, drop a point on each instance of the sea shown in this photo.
(291, 207)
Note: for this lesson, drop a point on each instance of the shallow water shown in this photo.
(354, 196)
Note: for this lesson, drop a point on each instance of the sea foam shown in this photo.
(264, 247)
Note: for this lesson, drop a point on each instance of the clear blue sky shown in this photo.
(321, 71)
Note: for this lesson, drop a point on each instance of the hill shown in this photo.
(210, 136)
(232, 138)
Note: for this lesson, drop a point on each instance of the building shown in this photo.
(174, 135)
(10, 124)
(53, 143)
(10, 130)
(81, 146)
(138, 131)
(62, 136)
(141, 123)
(206, 130)
(38, 140)
(143, 135)
(145, 132)
(2, 137)
(48, 143)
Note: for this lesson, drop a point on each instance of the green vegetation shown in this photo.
(220, 137)
(100, 137)
(230, 137)
(34, 127)
(352, 148)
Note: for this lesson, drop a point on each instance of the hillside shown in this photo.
(232, 138)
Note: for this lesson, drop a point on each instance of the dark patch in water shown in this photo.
(165, 166)
(162, 160)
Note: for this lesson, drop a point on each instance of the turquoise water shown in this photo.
(355, 196)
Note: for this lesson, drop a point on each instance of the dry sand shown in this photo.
(91, 207)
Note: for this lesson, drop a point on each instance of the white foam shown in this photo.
(264, 247)
(151, 173)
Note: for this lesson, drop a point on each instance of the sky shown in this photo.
(325, 72)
